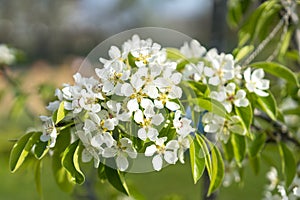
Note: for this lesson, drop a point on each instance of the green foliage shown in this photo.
(61, 175)
(268, 105)
(116, 178)
(70, 161)
(21, 149)
(278, 70)
(246, 114)
(288, 163)
(197, 159)
(239, 147)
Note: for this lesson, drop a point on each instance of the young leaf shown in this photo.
(174, 54)
(37, 177)
(239, 147)
(62, 177)
(197, 159)
(101, 172)
(60, 112)
(243, 52)
(41, 149)
(278, 70)
(21, 149)
(208, 164)
(210, 105)
(288, 163)
(71, 163)
(268, 104)
(246, 114)
(257, 144)
(217, 170)
(228, 151)
(255, 163)
(116, 179)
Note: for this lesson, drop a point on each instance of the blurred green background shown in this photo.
(55, 36)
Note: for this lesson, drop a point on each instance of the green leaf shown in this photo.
(206, 151)
(286, 42)
(21, 149)
(37, 178)
(243, 52)
(41, 149)
(234, 13)
(278, 70)
(288, 163)
(217, 170)
(101, 172)
(268, 104)
(210, 105)
(60, 112)
(199, 88)
(70, 161)
(116, 179)
(255, 163)
(246, 114)
(197, 159)
(62, 177)
(239, 147)
(228, 151)
(292, 111)
(256, 146)
(174, 54)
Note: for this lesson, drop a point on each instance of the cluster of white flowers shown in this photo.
(225, 79)
(7, 55)
(277, 190)
(137, 86)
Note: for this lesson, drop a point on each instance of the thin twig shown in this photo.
(263, 44)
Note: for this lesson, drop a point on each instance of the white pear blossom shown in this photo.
(121, 150)
(116, 58)
(223, 127)
(182, 125)
(222, 68)
(148, 119)
(184, 144)
(194, 72)
(49, 131)
(192, 49)
(255, 82)
(7, 55)
(296, 191)
(90, 151)
(272, 176)
(228, 96)
(161, 152)
(144, 51)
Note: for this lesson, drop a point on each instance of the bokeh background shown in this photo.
(54, 36)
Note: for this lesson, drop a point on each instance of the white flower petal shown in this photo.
(127, 89)
(172, 106)
(261, 93)
(122, 163)
(152, 134)
(109, 152)
(170, 157)
(157, 162)
(247, 75)
(138, 116)
(86, 156)
(132, 105)
(142, 134)
(257, 74)
(150, 150)
(157, 119)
